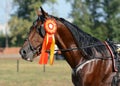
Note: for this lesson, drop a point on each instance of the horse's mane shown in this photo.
(84, 39)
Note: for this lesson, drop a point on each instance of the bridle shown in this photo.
(76, 48)
(36, 50)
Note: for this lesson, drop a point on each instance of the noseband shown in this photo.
(35, 50)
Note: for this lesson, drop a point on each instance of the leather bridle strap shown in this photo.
(34, 50)
(112, 55)
(76, 48)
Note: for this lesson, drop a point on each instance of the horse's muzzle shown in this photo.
(26, 55)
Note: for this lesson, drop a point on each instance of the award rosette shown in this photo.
(50, 27)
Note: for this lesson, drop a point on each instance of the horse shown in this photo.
(91, 60)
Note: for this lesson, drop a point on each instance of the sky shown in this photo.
(62, 8)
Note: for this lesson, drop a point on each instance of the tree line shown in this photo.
(100, 18)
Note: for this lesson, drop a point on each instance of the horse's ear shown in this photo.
(43, 12)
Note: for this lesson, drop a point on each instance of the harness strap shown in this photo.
(81, 65)
(112, 55)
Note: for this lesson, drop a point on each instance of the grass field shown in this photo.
(31, 73)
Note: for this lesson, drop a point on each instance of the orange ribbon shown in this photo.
(49, 41)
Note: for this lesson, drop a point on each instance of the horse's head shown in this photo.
(63, 38)
(32, 45)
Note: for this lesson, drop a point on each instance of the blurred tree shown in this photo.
(2, 40)
(52, 3)
(99, 18)
(112, 18)
(22, 19)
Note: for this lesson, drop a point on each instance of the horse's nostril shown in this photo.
(24, 52)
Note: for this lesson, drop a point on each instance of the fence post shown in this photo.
(17, 65)
(44, 68)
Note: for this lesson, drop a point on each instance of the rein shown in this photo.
(76, 48)
(112, 55)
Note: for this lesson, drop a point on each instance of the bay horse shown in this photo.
(89, 58)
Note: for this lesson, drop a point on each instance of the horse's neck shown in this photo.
(65, 40)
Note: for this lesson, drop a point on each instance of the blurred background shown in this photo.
(100, 18)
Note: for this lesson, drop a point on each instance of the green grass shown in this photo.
(31, 73)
